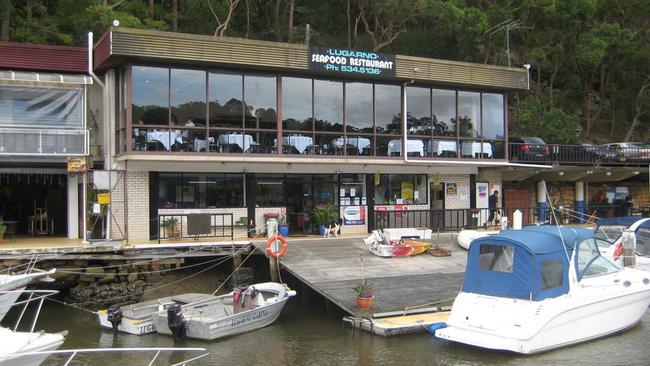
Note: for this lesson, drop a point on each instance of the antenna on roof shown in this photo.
(507, 25)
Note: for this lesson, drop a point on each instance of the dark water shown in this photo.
(311, 333)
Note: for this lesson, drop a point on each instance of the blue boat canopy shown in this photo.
(620, 221)
(524, 264)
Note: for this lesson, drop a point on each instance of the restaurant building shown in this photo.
(44, 113)
(220, 125)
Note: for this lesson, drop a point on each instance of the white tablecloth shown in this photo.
(474, 148)
(243, 141)
(395, 146)
(359, 142)
(301, 143)
(164, 137)
(200, 144)
(441, 146)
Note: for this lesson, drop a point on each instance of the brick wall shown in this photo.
(137, 197)
(462, 184)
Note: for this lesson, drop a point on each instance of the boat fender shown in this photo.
(270, 250)
(176, 322)
(435, 326)
(114, 315)
(618, 251)
(237, 294)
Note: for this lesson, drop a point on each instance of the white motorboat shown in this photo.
(541, 288)
(12, 285)
(625, 232)
(240, 311)
(138, 318)
(26, 348)
(465, 237)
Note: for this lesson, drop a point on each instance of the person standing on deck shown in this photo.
(493, 201)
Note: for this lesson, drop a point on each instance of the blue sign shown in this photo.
(333, 60)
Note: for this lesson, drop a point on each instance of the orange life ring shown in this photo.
(271, 241)
(618, 251)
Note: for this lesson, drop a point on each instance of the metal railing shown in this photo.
(471, 218)
(215, 225)
(31, 141)
(591, 155)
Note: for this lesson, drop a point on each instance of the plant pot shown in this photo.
(365, 303)
(283, 230)
(321, 229)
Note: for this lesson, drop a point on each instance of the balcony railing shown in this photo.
(577, 155)
(29, 141)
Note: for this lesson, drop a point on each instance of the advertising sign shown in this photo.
(351, 62)
(354, 215)
(77, 164)
(103, 198)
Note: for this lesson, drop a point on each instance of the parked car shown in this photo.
(633, 151)
(600, 154)
(528, 149)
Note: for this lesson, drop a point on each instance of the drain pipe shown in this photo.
(107, 135)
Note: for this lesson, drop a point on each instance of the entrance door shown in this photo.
(437, 194)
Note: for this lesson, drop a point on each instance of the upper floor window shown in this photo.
(29, 106)
(150, 96)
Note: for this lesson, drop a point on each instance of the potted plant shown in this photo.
(170, 224)
(365, 298)
(283, 228)
(323, 216)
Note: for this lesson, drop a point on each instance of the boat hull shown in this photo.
(531, 327)
(15, 343)
(7, 300)
(128, 325)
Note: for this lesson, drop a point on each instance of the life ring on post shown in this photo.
(618, 251)
(269, 246)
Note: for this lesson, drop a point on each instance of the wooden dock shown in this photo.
(332, 267)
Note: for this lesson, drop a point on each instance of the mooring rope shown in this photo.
(233, 272)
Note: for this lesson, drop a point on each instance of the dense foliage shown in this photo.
(590, 69)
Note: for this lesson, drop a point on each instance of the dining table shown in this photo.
(301, 143)
(412, 146)
(359, 142)
(243, 141)
(440, 147)
(473, 148)
(165, 137)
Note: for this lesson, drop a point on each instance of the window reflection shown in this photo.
(296, 104)
(419, 111)
(260, 99)
(401, 189)
(188, 97)
(469, 113)
(328, 105)
(493, 116)
(387, 109)
(358, 107)
(225, 96)
(444, 112)
(198, 190)
(150, 99)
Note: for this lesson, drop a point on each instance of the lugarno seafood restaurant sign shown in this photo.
(351, 62)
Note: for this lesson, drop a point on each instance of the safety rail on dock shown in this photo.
(195, 226)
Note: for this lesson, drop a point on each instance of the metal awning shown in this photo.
(44, 77)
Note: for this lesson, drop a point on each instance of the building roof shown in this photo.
(36, 57)
(121, 45)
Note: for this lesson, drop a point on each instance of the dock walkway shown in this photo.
(332, 267)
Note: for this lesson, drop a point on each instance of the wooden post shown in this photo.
(273, 266)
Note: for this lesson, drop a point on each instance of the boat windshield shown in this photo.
(643, 241)
(610, 233)
(589, 262)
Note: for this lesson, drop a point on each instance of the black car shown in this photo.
(601, 154)
(528, 149)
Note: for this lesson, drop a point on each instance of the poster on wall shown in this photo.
(354, 215)
(452, 189)
(482, 201)
(463, 192)
(407, 191)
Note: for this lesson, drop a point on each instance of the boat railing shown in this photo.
(156, 351)
(35, 296)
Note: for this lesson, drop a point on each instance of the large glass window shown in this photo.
(418, 102)
(296, 104)
(269, 190)
(493, 116)
(188, 94)
(150, 95)
(351, 189)
(388, 109)
(260, 99)
(199, 190)
(328, 105)
(469, 113)
(41, 107)
(398, 189)
(358, 107)
(444, 112)
(226, 100)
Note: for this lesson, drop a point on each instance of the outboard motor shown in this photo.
(176, 322)
(114, 315)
